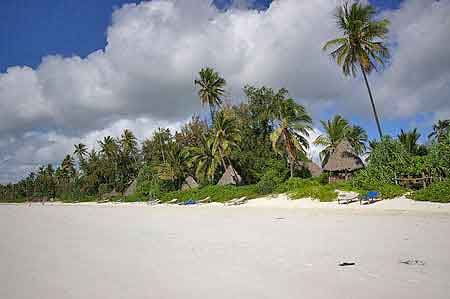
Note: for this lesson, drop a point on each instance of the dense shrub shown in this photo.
(215, 192)
(437, 192)
(271, 179)
(308, 188)
(387, 160)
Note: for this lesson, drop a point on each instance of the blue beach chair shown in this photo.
(188, 202)
(369, 197)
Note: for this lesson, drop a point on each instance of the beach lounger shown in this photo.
(153, 201)
(347, 197)
(370, 197)
(236, 202)
(205, 200)
(188, 202)
(173, 201)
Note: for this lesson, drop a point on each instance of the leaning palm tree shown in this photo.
(362, 45)
(336, 130)
(211, 89)
(293, 127)
(409, 140)
(440, 130)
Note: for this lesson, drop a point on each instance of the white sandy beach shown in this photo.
(265, 249)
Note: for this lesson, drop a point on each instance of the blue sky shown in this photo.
(33, 29)
(83, 91)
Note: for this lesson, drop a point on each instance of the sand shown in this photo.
(265, 249)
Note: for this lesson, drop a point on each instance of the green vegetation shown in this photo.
(437, 192)
(264, 138)
(215, 192)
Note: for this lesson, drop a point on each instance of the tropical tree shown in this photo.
(409, 140)
(362, 45)
(337, 130)
(441, 129)
(211, 89)
(290, 134)
(204, 159)
(226, 136)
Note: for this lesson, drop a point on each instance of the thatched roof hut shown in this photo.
(189, 183)
(343, 161)
(314, 169)
(131, 188)
(230, 177)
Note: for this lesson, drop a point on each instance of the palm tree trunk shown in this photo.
(291, 166)
(372, 102)
(223, 160)
(211, 110)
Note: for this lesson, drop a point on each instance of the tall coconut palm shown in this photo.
(440, 130)
(80, 151)
(293, 127)
(335, 131)
(362, 45)
(226, 136)
(409, 140)
(211, 89)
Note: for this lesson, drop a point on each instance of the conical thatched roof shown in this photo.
(189, 183)
(230, 177)
(314, 169)
(344, 158)
(131, 189)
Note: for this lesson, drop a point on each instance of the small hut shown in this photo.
(189, 183)
(313, 169)
(230, 177)
(343, 162)
(131, 188)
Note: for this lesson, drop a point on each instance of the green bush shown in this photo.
(215, 192)
(270, 181)
(308, 188)
(387, 160)
(436, 192)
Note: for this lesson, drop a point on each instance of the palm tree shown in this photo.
(362, 44)
(80, 151)
(289, 136)
(108, 146)
(203, 158)
(440, 130)
(211, 89)
(335, 131)
(226, 136)
(409, 140)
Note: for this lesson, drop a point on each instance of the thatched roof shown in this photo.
(344, 158)
(230, 177)
(189, 183)
(131, 189)
(314, 169)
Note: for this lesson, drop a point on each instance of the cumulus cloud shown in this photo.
(155, 49)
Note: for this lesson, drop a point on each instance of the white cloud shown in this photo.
(155, 49)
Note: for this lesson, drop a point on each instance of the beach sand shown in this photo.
(265, 249)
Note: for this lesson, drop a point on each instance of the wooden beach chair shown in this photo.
(347, 197)
(205, 200)
(237, 202)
